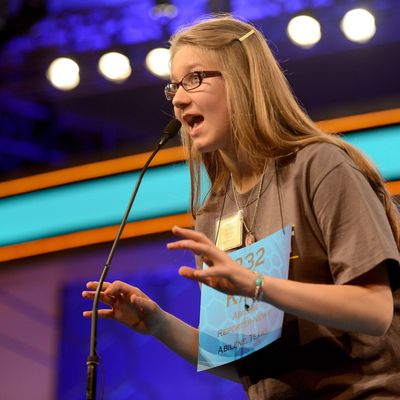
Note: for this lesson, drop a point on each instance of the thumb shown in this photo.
(188, 272)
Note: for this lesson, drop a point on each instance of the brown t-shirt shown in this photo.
(340, 232)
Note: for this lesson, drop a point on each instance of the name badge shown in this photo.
(230, 232)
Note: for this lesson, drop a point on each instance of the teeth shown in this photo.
(194, 120)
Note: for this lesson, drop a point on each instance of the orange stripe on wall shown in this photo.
(167, 156)
(93, 236)
(393, 187)
(88, 171)
(361, 121)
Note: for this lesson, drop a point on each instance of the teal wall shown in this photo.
(164, 191)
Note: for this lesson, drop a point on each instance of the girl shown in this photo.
(270, 166)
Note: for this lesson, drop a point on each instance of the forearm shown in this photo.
(183, 339)
(363, 309)
(178, 336)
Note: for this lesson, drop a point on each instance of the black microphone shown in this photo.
(170, 131)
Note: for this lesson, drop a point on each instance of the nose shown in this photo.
(181, 99)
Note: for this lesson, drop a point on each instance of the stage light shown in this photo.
(163, 10)
(115, 67)
(304, 31)
(358, 25)
(63, 73)
(158, 62)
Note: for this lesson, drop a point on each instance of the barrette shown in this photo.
(246, 35)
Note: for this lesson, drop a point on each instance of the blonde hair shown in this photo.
(266, 119)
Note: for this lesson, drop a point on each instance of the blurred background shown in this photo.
(81, 86)
(43, 127)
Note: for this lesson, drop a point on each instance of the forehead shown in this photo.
(191, 58)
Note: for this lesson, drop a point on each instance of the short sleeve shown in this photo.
(353, 223)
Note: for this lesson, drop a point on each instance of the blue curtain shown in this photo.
(134, 366)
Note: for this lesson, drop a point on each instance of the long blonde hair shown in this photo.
(266, 119)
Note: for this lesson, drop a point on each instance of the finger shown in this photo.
(191, 234)
(117, 288)
(195, 275)
(198, 248)
(104, 298)
(92, 285)
(211, 255)
(107, 314)
(121, 291)
(207, 273)
(188, 272)
(88, 295)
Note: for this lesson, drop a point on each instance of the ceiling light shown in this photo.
(163, 10)
(158, 62)
(63, 73)
(115, 67)
(304, 31)
(358, 25)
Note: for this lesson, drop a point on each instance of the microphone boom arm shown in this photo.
(170, 130)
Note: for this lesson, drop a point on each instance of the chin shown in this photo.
(204, 148)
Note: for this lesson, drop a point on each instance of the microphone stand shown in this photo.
(170, 130)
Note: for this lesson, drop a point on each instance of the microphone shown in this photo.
(170, 131)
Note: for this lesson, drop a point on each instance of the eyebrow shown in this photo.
(191, 68)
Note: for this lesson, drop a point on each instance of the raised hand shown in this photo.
(223, 274)
(128, 305)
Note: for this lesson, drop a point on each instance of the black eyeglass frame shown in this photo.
(201, 76)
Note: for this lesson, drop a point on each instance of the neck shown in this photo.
(243, 174)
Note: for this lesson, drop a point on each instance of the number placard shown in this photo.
(228, 330)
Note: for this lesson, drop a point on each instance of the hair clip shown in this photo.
(246, 35)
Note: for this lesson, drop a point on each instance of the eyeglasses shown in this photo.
(190, 81)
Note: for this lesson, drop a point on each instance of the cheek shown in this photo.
(224, 116)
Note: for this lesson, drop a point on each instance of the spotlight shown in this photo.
(358, 25)
(304, 31)
(158, 62)
(115, 67)
(63, 73)
(163, 10)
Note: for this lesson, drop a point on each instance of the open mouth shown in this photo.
(194, 120)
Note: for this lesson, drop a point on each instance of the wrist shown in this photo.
(159, 322)
(258, 292)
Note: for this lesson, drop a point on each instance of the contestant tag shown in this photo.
(228, 330)
(230, 232)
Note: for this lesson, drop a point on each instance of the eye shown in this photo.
(195, 79)
(192, 80)
(170, 90)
